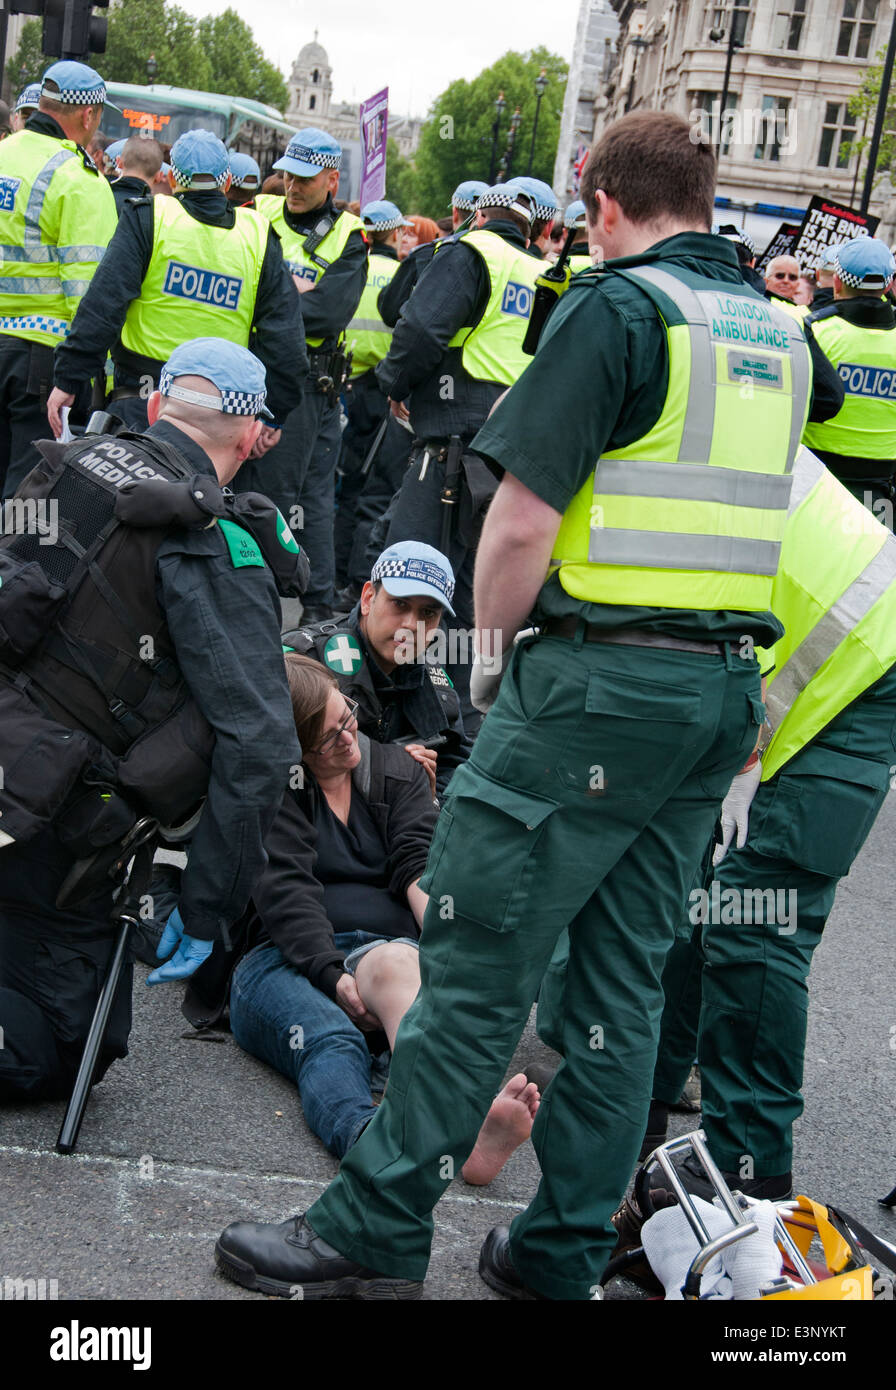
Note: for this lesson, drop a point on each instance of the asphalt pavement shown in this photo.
(185, 1135)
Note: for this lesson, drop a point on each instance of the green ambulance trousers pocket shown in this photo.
(483, 855)
(818, 811)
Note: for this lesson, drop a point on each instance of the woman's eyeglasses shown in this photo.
(349, 724)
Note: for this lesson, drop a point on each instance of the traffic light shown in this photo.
(53, 31)
(83, 32)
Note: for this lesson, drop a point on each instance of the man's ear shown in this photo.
(226, 186)
(368, 593)
(247, 439)
(333, 182)
(153, 406)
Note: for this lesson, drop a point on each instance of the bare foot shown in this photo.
(507, 1124)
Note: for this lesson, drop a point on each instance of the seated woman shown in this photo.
(340, 911)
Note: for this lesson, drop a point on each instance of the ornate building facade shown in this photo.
(311, 102)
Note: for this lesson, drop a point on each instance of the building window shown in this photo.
(312, 101)
(315, 76)
(706, 116)
(718, 17)
(838, 129)
(788, 26)
(857, 28)
(773, 124)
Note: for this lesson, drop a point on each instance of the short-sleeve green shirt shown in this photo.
(599, 381)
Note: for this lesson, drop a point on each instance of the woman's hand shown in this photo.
(349, 999)
(427, 758)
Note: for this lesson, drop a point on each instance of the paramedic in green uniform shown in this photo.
(598, 774)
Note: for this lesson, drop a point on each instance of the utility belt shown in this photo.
(329, 369)
(467, 488)
(629, 637)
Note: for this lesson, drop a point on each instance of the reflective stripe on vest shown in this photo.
(493, 349)
(865, 358)
(703, 496)
(835, 593)
(367, 336)
(297, 260)
(201, 281)
(37, 297)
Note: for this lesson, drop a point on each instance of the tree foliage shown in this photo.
(401, 178)
(864, 107)
(216, 54)
(457, 140)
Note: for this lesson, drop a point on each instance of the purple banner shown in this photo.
(374, 126)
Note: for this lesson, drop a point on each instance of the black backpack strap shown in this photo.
(854, 1233)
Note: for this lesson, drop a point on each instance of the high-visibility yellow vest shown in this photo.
(579, 262)
(692, 514)
(308, 266)
(865, 358)
(796, 311)
(56, 219)
(202, 281)
(493, 349)
(835, 593)
(366, 335)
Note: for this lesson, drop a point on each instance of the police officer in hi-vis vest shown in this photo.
(579, 256)
(856, 332)
(375, 446)
(179, 268)
(456, 348)
(639, 521)
(326, 253)
(56, 216)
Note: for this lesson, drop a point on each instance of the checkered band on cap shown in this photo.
(231, 402)
(507, 200)
(746, 240)
(94, 96)
(310, 156)
(465, 204)
(412, 568)
(184, 180)
(386, 225)
(855, 282)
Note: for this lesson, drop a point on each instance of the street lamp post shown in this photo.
(541, 83)
(637, 44)
(879, 118)
(500, 104)
(734, 41)
(507, 157)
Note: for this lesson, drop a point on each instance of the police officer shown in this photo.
(596, 778)
(56, 216)
(398, 291)
(136, 164)
(27, 102)
(375, 446)
(184, 573)
(801, 812)
(186, 267)
(378, 654)
(109, 162)
(746, 253)
(545, 209)
(326, 253)
(580, 255)
(457, 347)
(245, 179)
(856, 333)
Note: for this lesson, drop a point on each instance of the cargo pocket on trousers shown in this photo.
(482, 860)
(819, 811)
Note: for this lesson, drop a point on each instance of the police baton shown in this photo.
(450, 495)
(137, 851)
(549, 287)
(374, 448)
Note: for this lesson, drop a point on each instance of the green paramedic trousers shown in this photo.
(591, 793)
(807, 824)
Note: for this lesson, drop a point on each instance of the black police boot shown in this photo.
(347, 598)
(657, 1126)
(496, 1267)
(292, 1261)
(776, 1188)
(316, 613)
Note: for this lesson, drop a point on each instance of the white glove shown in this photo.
(485, 678)
(736, 810)
(670, 1245)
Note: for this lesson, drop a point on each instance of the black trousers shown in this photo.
(52, 968)
(26, 380)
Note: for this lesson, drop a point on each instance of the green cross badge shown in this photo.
(343, 655)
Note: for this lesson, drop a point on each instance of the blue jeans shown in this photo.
(281, 1018)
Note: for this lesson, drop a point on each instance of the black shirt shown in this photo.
(336, 295)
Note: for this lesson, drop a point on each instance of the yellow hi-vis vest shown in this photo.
(835, 593)
(579, 262)
(865, 358)
(298, 261)
(202, 281)
(493, 350)
(56, 219)
(691, 516)
(366, 335)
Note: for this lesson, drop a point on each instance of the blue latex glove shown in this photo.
(190, 954)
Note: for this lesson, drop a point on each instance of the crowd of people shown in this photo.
(547, 599)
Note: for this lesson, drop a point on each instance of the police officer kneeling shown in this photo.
(157, 678)
(377, 655)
